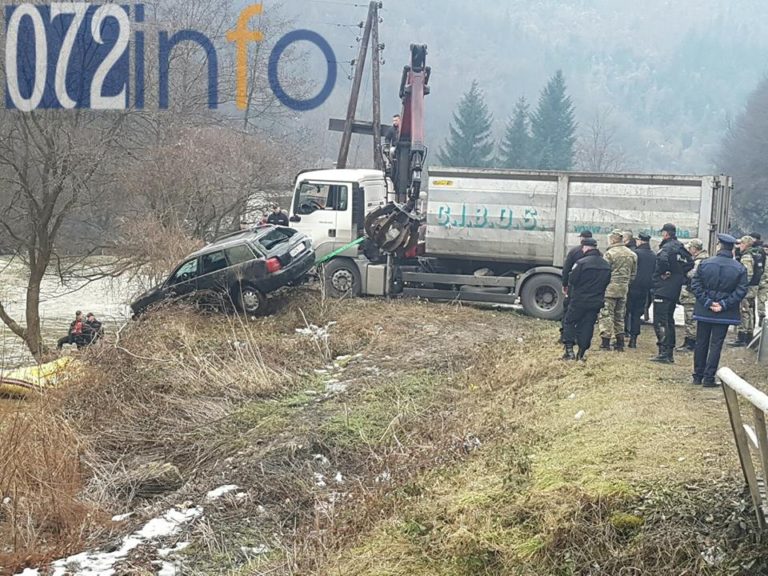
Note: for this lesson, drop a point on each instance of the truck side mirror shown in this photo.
(295, 218)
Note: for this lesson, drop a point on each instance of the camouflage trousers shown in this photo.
(748, 309)
(762, 296)
(690, 323)
(688, 302)
(612, 317)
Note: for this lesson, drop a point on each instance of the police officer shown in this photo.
(720, 284)
(623, 270)
(639, 290)
(687, 298)
(673, 262)
(587, 283)
(573, 256)
(749, 304)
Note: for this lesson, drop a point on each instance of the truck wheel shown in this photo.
(341, 278)
(542, 297)
(253, 302)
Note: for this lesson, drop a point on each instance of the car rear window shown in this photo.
(275, 237)
(240, 254)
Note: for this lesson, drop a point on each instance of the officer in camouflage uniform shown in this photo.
(687, 297)
(762, 291)
(623, 269)
(747, 327)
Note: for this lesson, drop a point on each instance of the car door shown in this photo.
(212, 281)
(183, 281)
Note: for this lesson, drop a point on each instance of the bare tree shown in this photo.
(47, 160)
(598, 149)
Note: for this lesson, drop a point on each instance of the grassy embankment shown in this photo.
(445, 440)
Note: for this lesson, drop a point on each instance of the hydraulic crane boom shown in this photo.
(396, 225)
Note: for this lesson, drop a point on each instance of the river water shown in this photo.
(108, 299)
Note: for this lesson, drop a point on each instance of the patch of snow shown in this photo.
(580, 415)
(7, 500)
(316, 332)
(572, 397)
(322, 460)
(29, 572)
(336, 387)
(165, 552)
(320, 480)
(121, 517)
(255, 550)
(103, 563)
(383, 477)
(240, 496)
(339, 479)
(221, 491)
(166, 569)
(318, 371)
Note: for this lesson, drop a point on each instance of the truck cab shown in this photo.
(330, 207)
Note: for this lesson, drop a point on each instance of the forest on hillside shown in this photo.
(665, 78)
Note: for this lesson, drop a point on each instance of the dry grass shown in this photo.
(42, 512)
(470, 415)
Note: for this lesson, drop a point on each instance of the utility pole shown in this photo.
(378, 162)
(346, 138)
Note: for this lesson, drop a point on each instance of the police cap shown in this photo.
(726, 239)
(591, 242)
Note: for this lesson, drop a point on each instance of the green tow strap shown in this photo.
(339, 251)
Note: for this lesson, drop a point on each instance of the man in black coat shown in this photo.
(640, 287)
(673, 262)
(587, 282)
(277, 217)
(720, 285)
(573, 256)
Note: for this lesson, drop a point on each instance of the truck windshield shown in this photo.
(313, 196)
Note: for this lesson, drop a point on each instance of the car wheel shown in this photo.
(252, 301)
(341, 278)
(542, 297)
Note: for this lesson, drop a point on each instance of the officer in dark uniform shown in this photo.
(587, 282)
(573, 256)
(640, 289)
(673, 262)
(720, 285)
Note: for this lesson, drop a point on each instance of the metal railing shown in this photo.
(756, 435)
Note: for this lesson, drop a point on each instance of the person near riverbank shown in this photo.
(93, 330)
(76, 332)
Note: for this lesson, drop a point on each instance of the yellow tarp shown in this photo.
(23, 381)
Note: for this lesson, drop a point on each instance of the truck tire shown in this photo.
(542, 297)
(341, 278)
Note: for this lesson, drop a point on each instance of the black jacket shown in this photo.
(719, 279)
(588, 280)
(278, 219)
(675, 260)
(573, 256)
(646, 266)
(93, 330)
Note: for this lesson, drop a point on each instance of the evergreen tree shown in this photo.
(469, 144)
(553, 127)
(516, 145)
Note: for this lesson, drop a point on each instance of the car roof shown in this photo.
(234, 239)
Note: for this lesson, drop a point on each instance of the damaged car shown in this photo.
(241, 269)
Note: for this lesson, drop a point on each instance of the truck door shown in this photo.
(323, 211)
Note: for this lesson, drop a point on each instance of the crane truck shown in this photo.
(482, 235)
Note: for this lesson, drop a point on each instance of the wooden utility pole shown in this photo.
(346, 138)
(378, 161)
